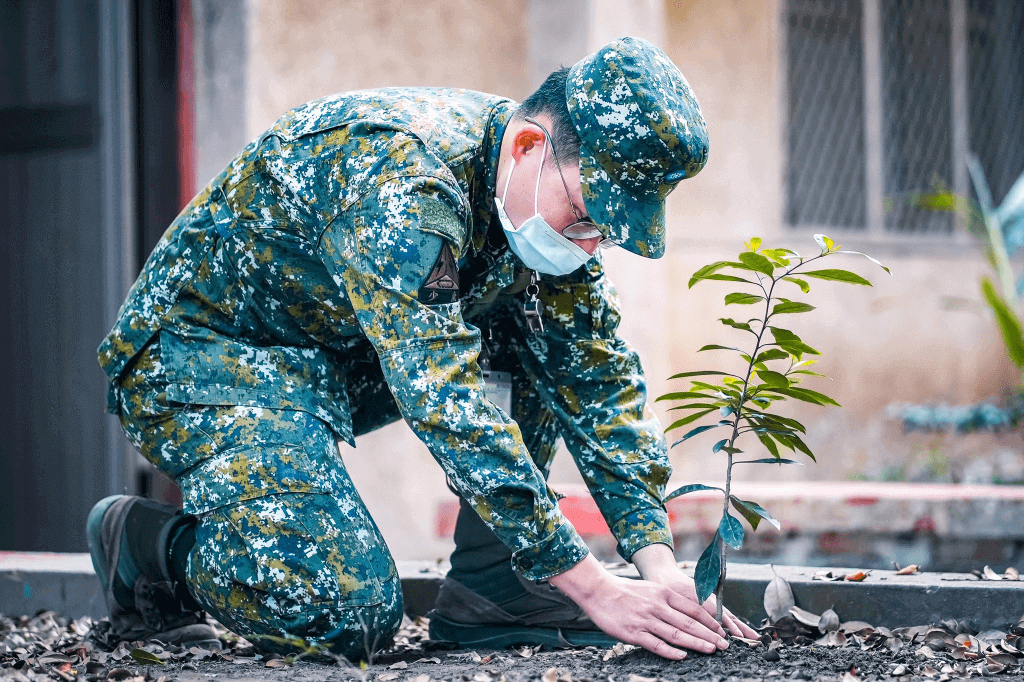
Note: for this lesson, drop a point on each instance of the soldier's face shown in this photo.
(528, 148)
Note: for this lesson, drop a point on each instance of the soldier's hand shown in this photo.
(640, 612)
(657, 564)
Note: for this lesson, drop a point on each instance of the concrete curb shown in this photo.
(31, 582)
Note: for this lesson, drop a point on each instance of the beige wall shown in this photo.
(305, 49)
(888, 344)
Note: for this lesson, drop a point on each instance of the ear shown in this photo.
(526, 140)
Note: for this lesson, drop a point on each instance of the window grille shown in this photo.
(826, 112)
(917, 108)
(886, 96)
(996, 51)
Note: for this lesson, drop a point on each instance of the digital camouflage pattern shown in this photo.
(287, 296)
(285, 548)
(642, 132)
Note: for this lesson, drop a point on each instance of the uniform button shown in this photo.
(526, 564)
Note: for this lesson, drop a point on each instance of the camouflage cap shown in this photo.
(642, 132)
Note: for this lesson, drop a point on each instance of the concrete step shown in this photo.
(33, 581)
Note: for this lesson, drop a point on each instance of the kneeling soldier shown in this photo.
(377, 255)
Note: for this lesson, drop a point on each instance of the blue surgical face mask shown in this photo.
(535, 242)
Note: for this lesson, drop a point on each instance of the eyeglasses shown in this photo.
(582, 228)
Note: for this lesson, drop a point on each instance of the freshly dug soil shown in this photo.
(49, 647)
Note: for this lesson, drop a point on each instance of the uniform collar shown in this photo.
(483, 202)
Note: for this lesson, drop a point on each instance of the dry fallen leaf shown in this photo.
(857, 577)
(550, 675)
(778, 598)
(805, 617)
(637, 678)
(383, 677)
(1011, 573)
(899, 670)
(400, 665)
(281, 663)
(990, 574)
(829, 621)
(909, 570)
(421, 678)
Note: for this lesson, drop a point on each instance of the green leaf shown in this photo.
(721, 278)
(701, 373)
(742, 299)
(715, 346)
(1009, 323)
(769, 460)
(808, 372)
(858, 253)
(686, 489)
(767, 441)
(731, 531)
(708, 571)
(772, 354)
(696, 406)
(686, 420)
(754, 244)
(804, 286)
(756, 261)
(712, 268)
(685, 395)
(144, 657)
(804, 394)
(792, 307)
(774, 418)
(837, 276)
(699, 430)
(810, 396)
(937, 201)
(791, 343)
(753, 512)
(777, 255)
(773, 378)
(729, 322)
(719, 445)
(725, 410)
(825, 243)
(798, 444)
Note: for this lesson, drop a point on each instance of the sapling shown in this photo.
(744, 402)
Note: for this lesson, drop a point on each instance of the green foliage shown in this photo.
(742, 402)
(1008, 321)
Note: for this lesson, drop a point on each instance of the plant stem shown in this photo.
(721, 543)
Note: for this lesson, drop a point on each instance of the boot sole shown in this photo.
(504, 636)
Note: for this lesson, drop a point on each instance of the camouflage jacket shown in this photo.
(315, 245)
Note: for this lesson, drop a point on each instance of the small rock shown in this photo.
(771, 655)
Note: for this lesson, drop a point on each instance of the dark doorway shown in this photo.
(88, 182)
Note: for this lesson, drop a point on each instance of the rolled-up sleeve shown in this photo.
(380, 251)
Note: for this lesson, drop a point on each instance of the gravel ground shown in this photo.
(49, 647)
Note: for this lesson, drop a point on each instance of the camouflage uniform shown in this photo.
(307, 294)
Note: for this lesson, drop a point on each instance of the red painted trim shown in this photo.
(186, 103)
(582, 511)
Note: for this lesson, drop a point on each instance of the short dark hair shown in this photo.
(549, 98)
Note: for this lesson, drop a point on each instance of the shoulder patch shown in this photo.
(442, 284)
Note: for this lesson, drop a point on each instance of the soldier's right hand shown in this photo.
(639, 612)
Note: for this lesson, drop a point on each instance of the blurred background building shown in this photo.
(823, 115)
